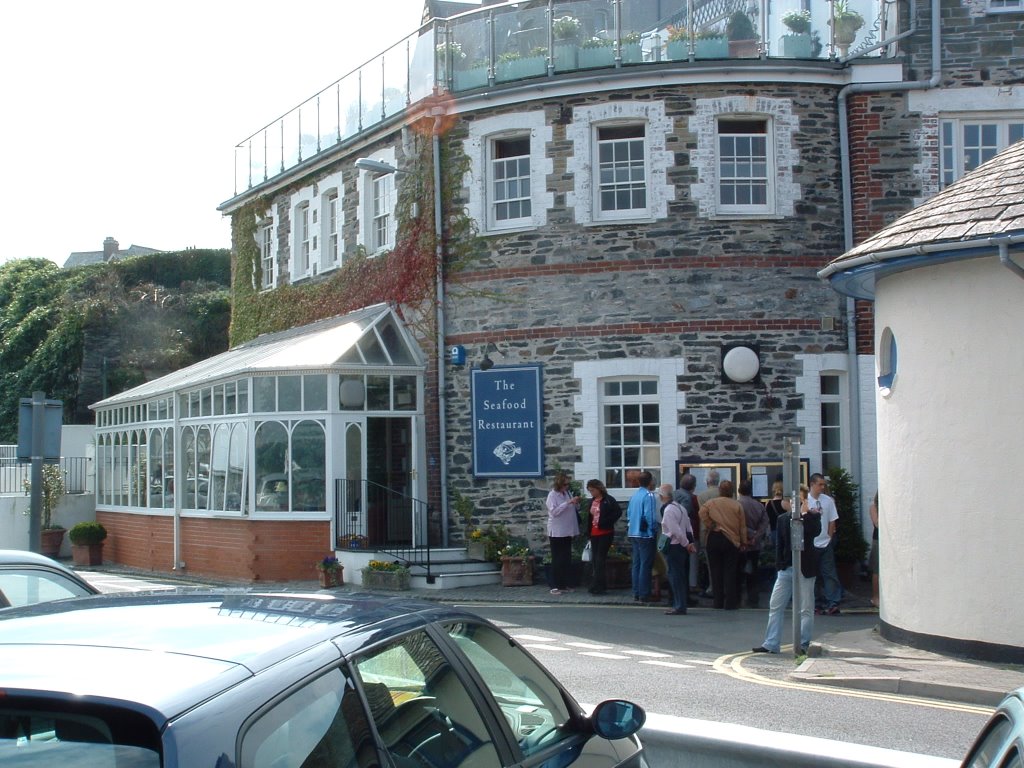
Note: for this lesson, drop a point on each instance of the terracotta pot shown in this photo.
(87, 554)
(517, 571)
(332, 578)
(50, 541)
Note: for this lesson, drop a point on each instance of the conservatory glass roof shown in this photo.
(369, 337)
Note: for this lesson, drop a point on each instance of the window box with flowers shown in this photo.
(476, 547)
(516, 566)
(382, 574)
(566, 30)
(330, 572)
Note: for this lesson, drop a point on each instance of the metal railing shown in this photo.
(369, 516)
(14, 475)
(517, 41)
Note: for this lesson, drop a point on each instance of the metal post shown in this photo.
(791, 482)
(36, 476)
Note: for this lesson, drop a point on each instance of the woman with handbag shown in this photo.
(677, 548)
(602, 513)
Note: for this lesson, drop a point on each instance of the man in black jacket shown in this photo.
(782, 593)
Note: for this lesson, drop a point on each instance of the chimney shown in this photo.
(110, 248)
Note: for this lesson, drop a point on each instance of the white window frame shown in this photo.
(266, 245)
(616, 165)
(381, 211)
(808, 418)
(301, 249)
(592, 374)
(840, 426)
(585, 169)
(478, 147)
(1005, 6)
(494, 223)
(366, 213)
(767, 158)
(331, 221)
(953, 153)
(646, 459)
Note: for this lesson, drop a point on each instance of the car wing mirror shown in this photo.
(617, 719)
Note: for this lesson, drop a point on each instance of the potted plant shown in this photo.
(330, 572)
(597, 52)
(710, 44)
(797, 44)
(382, 574)
(513, 66)
(851, 548)
(631, 48)
(51, 535)
(845, 22)
(476, 546)
(566, 30)
(742, 36)
(618, 569)
(677, 47)
(516, 566)
(87, 543)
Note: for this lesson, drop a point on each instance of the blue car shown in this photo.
(1001, 742)
(217, 680)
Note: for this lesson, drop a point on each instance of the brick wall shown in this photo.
(248, 550)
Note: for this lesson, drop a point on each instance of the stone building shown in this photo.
(632, 194)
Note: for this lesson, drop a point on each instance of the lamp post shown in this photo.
(379, 166)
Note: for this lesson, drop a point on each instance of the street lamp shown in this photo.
(376, 166)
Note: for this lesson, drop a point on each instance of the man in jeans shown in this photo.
(642, 529)
(819, 501)
(786, 581)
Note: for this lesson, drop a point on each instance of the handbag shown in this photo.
(586, 555)
(664, 542)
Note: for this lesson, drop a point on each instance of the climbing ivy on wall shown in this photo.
(404, 276)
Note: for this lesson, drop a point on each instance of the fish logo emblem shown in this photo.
(507, 451)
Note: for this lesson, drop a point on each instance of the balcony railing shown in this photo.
(15, 475)
(518, 41)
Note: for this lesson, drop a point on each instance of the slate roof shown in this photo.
(81, 258)
(988, 202)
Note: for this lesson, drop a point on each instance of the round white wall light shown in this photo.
(741, 364)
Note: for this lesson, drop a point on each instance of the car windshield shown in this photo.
(32, 737)
(26, 586)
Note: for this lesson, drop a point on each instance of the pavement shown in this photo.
(858, 659)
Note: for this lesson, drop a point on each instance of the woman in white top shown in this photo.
(563, 525)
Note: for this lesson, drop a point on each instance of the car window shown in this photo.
(27, 586)
(990, 743)
(322, 724)
(1013, 760)
(423, 712)
(530, 699)
(34, 738)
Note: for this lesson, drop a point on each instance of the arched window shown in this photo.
(156, 468)
(271, 446)
(219, 466)
(309, 490)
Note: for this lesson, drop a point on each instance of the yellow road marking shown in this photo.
(732, 664)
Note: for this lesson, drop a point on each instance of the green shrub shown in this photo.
(87, 533)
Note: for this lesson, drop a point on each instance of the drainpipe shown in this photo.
(844, 152)
(1006, 261)
(442, 432)
(179, 487)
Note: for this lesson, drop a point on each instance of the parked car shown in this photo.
(1001, 742)
(27, 578)
(265, 680)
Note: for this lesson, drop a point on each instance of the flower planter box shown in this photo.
(332, 578)
(391, 580)
(517, 571)
(518, 69)
(618, 574)
(600, 56)
(466, 79)
(711, 48)
(567, 56)
(87, 554)
(632, 53)
(50, 540)
(797, 46)
(743, 49)
(476, 550)
(678, 50)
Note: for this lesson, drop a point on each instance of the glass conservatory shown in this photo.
(293, 425)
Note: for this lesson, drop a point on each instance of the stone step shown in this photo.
(452, 580)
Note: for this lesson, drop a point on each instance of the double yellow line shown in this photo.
(732, 665)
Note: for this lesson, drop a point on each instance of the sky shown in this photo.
(119, 118)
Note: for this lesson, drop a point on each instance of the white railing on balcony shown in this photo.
(517, 41)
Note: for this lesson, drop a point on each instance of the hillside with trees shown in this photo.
(83, 334)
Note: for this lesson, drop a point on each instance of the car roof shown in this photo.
(166, 651)
(23, 558)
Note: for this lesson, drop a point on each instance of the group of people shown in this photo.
(732, 532)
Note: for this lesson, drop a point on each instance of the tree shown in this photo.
(850, 544)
